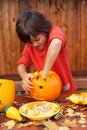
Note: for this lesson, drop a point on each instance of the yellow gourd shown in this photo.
(12, 113)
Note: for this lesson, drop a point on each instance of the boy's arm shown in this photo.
(52, 53)
(21, 70)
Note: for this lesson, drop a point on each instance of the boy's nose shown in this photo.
(35, 44)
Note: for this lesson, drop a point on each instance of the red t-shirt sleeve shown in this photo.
(25, 57)
(57, 32)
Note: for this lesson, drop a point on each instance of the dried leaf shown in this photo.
(82, 121)
(37, 123)
(70, 123)
(50, 125)
(63, 128)
(20, 125)
(83, 126)
(83, 108)
(46, 128)
(70, 112)
(74, 107)
(10, 124)
(80, 114)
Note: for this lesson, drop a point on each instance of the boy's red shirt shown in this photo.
(31, 55)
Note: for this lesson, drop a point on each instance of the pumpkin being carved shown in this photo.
(7, 92)
(46, 89)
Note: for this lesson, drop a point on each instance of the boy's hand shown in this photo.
(26, 83)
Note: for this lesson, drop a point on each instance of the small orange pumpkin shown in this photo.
(7, 92)
(46, 89)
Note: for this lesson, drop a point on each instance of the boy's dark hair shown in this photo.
(31, 23)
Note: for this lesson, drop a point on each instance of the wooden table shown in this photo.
(21, 99)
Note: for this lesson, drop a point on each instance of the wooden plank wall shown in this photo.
(9, 43)
(71, 15)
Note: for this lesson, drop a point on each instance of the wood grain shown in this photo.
(70, 15)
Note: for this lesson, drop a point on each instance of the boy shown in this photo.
(45, 47)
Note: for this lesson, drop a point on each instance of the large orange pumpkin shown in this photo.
(46, 89)
(7, 92)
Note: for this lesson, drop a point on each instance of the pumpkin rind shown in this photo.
(7, 92)
(80, 98)
(46, 89)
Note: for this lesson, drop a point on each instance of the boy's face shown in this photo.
(38, 41)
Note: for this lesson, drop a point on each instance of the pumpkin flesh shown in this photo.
(80, 98)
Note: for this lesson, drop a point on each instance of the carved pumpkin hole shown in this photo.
(1, 102)
(0, 84)
(45, 79)
(37, 77)
(41, 87)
